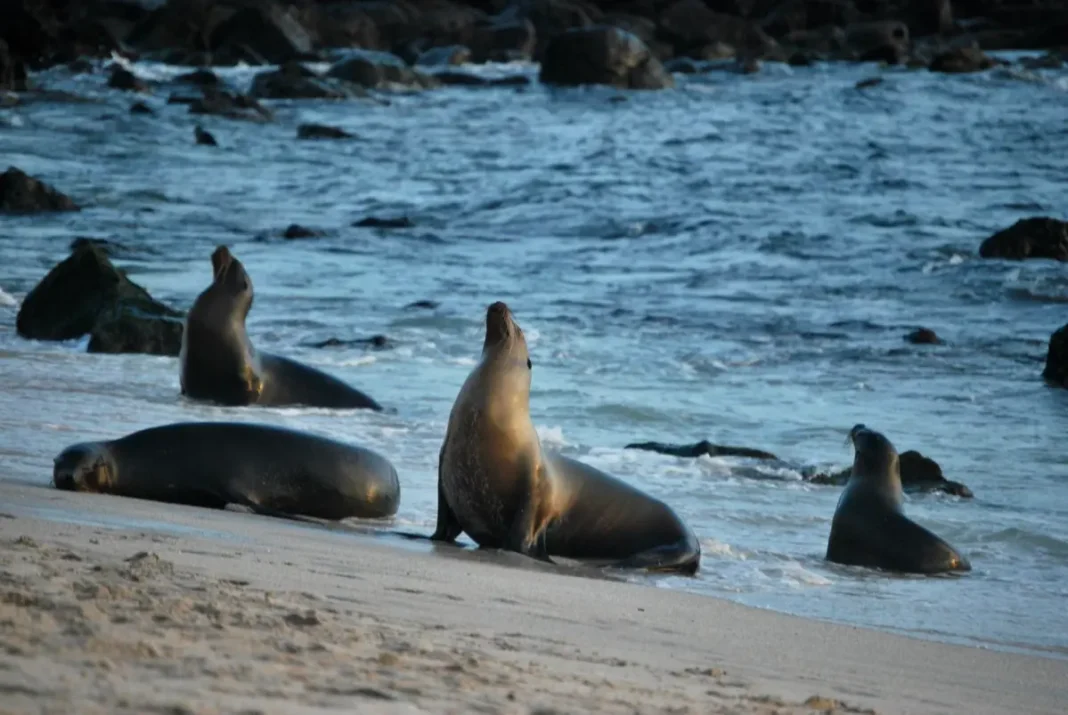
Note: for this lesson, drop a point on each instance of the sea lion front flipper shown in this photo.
(527, 532)
(448, 526)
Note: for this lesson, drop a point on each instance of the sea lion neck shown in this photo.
(876, 462)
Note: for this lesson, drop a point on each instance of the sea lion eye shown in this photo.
(530, 366)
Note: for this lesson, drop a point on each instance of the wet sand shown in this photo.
(111, 605)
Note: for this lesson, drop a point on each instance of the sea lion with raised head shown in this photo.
(271, 470)
(497, 484)
(219, 364)
(870, 527)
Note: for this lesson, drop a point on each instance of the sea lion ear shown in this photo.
(530, 366)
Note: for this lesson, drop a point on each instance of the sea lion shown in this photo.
(219, 364)
(870, 527)
(498, 485)
(271, 470)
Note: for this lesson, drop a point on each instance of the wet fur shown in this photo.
(218, 362)
(271, 470)
(870, 527)
(497, 484)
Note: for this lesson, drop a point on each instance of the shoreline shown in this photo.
(137, 606)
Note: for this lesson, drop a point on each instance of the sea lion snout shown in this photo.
(500, 325)
(220, 260)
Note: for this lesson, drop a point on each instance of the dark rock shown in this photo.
(422, 305)
(465, 79)
(200, 77)
(293, 81)
(265, 31)
(961, 60)
(295, 231)
(690, 25)
(1048, 61)
(1056, 371)
(550, 18)
(321, 131)
(375, 341)
(701, 448)
(80, 66)
(82, 291)
(1036, 237)
(793, 16)
(684, 65)
(802, 59)
(204, 137)
(885, 41)
(370, 69)
(376, 222)
(126, 80)
(602, 55)
(122, 330)
(141, 108)
(226, 104)
(12, 71)
(21, 193)
(509, 39)
(929, 17)
(923, 336)
(444, 56)
(829, 40)
(868, 83)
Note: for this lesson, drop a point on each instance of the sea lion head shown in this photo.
(230, 281)
(504, 337)
(84, 467)
(875, 460)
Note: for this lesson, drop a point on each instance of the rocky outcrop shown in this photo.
(691, 25)
(923, 336)
(21, 193)
(886, 41)
(602, 55)
(1056, 372)
(294, 81)
(124, 79)
(1037, 237)
(265, 31)
(378, 70)
(221, 103)
(444, 56)
(12, 71)
(86, 295)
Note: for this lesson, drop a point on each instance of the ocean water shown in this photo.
(737, 259)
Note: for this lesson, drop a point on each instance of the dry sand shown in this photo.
(111, 605)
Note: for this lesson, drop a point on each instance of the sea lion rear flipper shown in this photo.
(448, 526)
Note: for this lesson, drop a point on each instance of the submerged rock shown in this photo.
(295, 231)
(1037, 237)
(602, 55)
(221, 103)
(1056, 372)
(923, 336)
(701, 448)
(377, 222)
(21, 193)
(321, 131)
(379, 342)
(204, 137)
(85, 294)
(124, 79)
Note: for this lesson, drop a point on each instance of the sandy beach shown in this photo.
(112, 605)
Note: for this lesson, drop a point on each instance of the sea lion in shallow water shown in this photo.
(271, 470)
(219, 364)
(497, 484)
(870, 527)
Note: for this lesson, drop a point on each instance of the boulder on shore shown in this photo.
(86, 295)
(1056, 372)
(21, 193)
(1036, 237)
(602, 54)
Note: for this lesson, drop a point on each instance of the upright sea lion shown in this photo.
(497, 484)
(870, 527)
(271, 470)
(218, 362)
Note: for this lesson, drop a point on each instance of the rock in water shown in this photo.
(21, 193)
(86, 294)
(923, 336)
(270, 32)
(321, 131)
(1038, 237)
(602, 55)
(961, 60)
(1056, 372)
